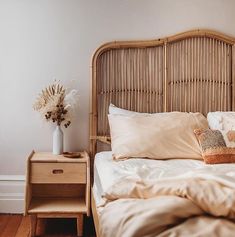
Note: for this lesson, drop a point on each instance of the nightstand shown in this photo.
(57, 187)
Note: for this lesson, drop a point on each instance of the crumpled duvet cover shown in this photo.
(198, 203)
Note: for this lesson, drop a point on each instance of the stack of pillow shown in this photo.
(171, 135)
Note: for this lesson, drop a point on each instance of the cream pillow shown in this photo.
(116, 110)
(157, 136)
(225, 123)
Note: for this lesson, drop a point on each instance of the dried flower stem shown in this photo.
(51, 104)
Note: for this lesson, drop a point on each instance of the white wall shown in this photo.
(45, 39)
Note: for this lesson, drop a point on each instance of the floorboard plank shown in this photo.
(3, 222)
(24, 230)
(12, 226)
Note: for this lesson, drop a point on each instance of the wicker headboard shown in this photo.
(192, 71)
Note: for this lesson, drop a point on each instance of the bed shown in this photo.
(189, 72)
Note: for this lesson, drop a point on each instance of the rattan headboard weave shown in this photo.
(192, 71)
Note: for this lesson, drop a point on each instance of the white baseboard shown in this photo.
(12, 193)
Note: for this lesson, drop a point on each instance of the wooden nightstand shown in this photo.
(57, 187)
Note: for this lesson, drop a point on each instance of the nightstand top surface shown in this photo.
(49, 157)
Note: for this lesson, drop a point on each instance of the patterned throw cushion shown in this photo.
(219, 155)
(214, 150)
(209, 138)
(231, 135)
(225, 123)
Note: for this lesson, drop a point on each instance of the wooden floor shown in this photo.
(19, 226)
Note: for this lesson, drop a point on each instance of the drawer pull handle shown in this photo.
(60, 171)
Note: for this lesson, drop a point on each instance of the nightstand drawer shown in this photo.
(58, 173)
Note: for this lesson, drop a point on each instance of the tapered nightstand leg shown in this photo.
(80, 225)
(33, 225)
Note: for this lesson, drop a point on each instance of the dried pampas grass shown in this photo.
(56, 105)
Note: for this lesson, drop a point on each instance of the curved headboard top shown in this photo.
(192, 71)
(154, 42)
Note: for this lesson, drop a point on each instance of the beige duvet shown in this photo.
(196, 204)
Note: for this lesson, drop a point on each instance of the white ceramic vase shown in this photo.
(58, 140)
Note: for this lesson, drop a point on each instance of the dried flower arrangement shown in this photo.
(56, 105)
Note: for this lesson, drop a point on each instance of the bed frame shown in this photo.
(192, 71)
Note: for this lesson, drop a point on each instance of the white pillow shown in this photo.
(224, 122)
(115, 110)
(156, 136)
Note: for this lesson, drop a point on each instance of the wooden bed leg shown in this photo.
(80, 225)
(33, 225)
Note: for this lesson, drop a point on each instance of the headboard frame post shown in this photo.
(165, 78)
(233, 77)
(192, 71)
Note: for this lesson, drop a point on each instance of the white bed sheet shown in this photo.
(107, 171)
